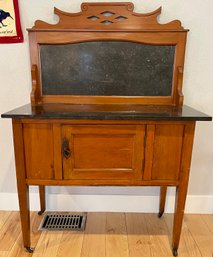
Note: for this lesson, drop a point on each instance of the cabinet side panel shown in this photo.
(167, 152)
(38, 147)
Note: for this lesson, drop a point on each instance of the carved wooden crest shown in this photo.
(108, 16)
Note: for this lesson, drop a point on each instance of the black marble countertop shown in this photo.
(106, 112)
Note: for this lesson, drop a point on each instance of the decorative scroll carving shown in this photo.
(108, 16)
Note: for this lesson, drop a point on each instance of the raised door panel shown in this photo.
(167, 150)
(38, 150)
(103, 152)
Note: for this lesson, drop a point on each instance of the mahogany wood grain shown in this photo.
(163, 191)
(102, 182)
(103, 122)
(42, 199)
(179, 68)
(57, 141)
(23, 188)
(144, 37)
(68, 99)
(35, 93)
(104, 152)
(149, 145)
(180, 96)
(181, 190)
(167, 152)
(130, 21)
(38, 149)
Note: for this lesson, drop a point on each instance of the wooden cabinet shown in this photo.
(103, 152)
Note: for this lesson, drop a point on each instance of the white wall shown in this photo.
(15, 86)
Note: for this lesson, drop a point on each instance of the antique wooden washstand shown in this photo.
(106, 107)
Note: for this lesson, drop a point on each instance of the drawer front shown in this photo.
(38, 150)
(103, 152)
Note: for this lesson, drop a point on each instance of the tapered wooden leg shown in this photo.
(23, 188)
(23, 193)
(42, 199)
(181, 190)
(163, 191)
(178, 217)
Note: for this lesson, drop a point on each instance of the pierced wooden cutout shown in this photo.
(93, 18)
(119, 15)
(107, 13)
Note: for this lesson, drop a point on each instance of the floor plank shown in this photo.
(71, 244)
(159, 236)
(18, 249)
(94, 237)
(187, 246)
(48, 244)
(138, 237)
(116, 236)
(4, 253)
(35, 223)
(110, 235)
(4, 215)
(201, 234)
(208, 219)
(10, 232)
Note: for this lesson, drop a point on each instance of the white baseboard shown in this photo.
(108, 203)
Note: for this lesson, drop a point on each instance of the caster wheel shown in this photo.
(29, 249)
(40, 213)
(160, 214)
(175, 252)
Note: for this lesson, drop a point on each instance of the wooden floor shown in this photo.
(111, 235)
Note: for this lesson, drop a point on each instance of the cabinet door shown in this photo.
(103, 152)
(167, 151)
(38, 149)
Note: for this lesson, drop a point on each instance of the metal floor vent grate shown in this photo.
(63, 222)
